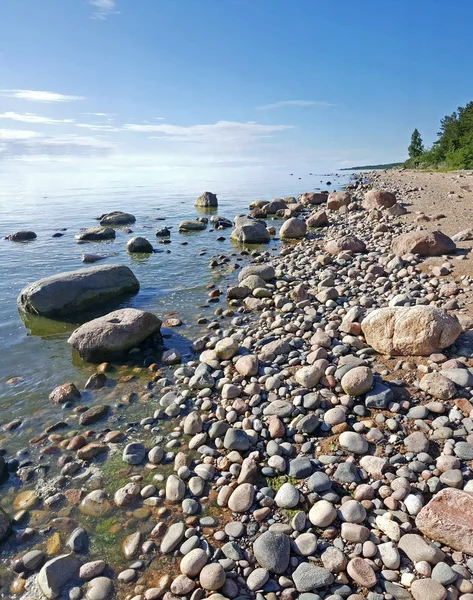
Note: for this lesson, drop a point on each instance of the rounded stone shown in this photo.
(322, 514)
(193, 562)
(357, 381)
(287, 496)
(272, 551)
(353, 442)
(212, 577)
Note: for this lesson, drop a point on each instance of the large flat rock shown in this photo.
(113, 334)
(448, 518)
(74, 291)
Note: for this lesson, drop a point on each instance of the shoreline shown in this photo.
(291, 477)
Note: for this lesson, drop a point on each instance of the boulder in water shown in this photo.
(22, 236)
(250, 232)
(96, 234)
(139, 245)
(113, 334)
(71, 292)
(117, 217)
(207, 199)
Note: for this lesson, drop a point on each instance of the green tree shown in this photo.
(416, 147)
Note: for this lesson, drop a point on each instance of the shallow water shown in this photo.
(36, 351)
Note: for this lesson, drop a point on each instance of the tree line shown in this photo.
(453, 148)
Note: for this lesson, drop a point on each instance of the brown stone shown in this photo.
(361, 572)
(448, 518)
(425, 243)
(336, 200)
(378, 199)
(91, 450)
(64, 393)
(345, 243)
(410, 331)
(94, 414)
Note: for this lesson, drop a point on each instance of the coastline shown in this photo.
(266, 436)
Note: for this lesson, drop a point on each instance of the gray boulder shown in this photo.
(250, 233)
(56, 573)
(191, 225)
(272, 550)
(117, 217)
(113, 334)
(22, 236)
(206, 199)
(71, 292)
(96, 234)
(139, 245)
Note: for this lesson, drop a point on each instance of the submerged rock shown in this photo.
(56, 573)
(75, 291)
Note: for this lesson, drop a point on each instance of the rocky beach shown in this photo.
(315, 443)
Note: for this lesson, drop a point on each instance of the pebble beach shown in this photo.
(315, 439)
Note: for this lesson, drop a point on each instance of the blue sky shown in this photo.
(179, 83)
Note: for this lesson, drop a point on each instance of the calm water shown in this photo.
(36, 351)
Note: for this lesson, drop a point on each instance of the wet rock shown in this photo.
(22, 236)
(96, 234)
(67, 392)
(113, 334)
(139, 245)
(96, 504)
(206, 199)
(32, 559)
(191, 225)
(250, 233)
(5, 524)
(134, 453)
(100, 588)
(56, 573)
(94, 414)
(74, 291)
(117, 217)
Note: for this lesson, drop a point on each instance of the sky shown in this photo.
(175, 84)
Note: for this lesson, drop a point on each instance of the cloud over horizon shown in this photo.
(32, 118)
(39, 96)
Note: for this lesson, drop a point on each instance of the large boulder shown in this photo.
(425, 243)
(336, 200)
(250, 232)
(117, 217)
(313, 198)
(448, 518)
(207, 199)
(264, 271)
(345, 243)
(410, 331)
(96, 234)
(293, 229)
(378, 199)
(57, 573)
(113, 334)
(22, 236)
(71, 292)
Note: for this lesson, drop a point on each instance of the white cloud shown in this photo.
(103, 8)
(93, 127)
(99, 114)
(32, 118)
(16, 134)
(39, 96)
(222, 131)
(302, 103)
